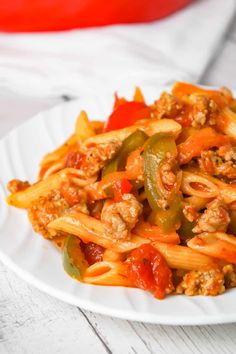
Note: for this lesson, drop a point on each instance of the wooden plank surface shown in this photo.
(32, 322)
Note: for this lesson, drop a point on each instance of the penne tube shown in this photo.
(153, 126)
(215, 244)
(107, 273)
(52, 168)
(227, 122)
(138, 95)
(226, 191)
(182, 257)
(110, 255)
(83, 129)
(154, 233)
(197, 202)
(60, 152)
(25, 198)
(198, 185)
(205, 186)
(89, 229)
(150, 127)
(203, 139)
(185, 90)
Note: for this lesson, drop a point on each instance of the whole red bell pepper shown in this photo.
(54, 15)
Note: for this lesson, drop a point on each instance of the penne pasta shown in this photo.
(24, 199)
(52, 168)
(60, 152)
(227, 122)
(205, 186)
(83, 128)
(112, 256)
(217, 244)
(89, 229)
(198, 185)
(154, 233)
(107, 273)
(180, 257)
(197, 202)
(150, 127)
(138, 95)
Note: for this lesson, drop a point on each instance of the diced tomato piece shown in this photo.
(148, 270)
(127, 114)
(93, 253)
(121, 187)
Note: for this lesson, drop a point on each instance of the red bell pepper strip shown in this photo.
(127, 114)
(120, 188)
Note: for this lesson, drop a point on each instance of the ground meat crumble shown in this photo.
(221, 162)
(203, 110)
(121, 217)
(92, 158)
(189, 212)
(209, 282)
(215, 218)
(168, 106)
(46, 209)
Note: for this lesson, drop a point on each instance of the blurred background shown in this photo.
(54, 50)
(59, 50)
(57, 15)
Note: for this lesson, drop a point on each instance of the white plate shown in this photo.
(39, 263)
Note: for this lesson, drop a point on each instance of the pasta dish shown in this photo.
(146, 199)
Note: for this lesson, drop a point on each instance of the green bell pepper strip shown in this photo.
(131, 143)
(169, 219)
(159, 149)
(185, 230)
(74, 261)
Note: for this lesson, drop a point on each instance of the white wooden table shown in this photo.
(32, 322)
